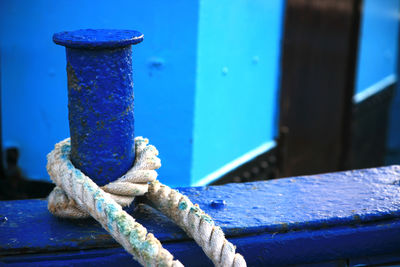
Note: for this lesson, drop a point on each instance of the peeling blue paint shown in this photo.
(218, 203)
(100, 100)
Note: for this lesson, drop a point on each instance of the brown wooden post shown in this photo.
(319, 53)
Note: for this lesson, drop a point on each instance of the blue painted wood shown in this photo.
(326, 218)
(100, 100)
(182, 90)
(368, 261)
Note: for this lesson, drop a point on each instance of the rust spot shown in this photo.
(73, 81)
(100, 124)
(284, 227)
(98, 237)
(357, 218)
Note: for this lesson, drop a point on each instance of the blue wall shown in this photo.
(378, 45)
(236, 83)
(34, 85)
(205, 78)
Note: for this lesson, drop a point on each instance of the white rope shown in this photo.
(196, 223)
(123, 190)
(77, 196)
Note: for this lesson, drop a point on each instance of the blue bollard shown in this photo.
(100, 100)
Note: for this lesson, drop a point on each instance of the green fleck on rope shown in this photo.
(79, 197)
(183, 205)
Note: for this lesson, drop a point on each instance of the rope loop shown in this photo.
(77, 196)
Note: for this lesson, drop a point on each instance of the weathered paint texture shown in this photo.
(100, 101)
(334, 217)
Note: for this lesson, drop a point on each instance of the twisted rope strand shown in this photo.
(80, 192)
(196, 223)
(77, 196)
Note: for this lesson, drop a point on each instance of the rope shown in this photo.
(123, 190)
(77, 196)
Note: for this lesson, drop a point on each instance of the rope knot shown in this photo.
(123, 190)
(77, 196)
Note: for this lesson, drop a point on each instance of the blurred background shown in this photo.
(228, 91)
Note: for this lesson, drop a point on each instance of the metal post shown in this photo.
(100, 100)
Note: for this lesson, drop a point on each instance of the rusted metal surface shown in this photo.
(100, 100)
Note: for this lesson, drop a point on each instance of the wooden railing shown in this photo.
(335, 219)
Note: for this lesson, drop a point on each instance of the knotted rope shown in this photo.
(77, 196)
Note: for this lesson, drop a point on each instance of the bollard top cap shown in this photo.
(97, 39)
